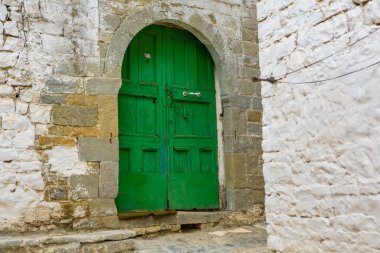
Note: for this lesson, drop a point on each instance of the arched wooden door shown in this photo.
(167, 124)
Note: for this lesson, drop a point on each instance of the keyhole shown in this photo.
(155, 100)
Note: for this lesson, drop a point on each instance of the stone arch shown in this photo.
(198, 25)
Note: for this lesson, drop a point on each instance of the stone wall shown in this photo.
(60, 65)
(321, 140)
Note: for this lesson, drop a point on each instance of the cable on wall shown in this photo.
(273, 80)
(278, 79)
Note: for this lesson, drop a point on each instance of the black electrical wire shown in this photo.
(329, 56)
(336, 77)
(273, 80)
(278, 79)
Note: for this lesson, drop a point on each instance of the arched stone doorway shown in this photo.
(239, 157)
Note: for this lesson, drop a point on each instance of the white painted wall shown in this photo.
(37, 37)
(322, 140)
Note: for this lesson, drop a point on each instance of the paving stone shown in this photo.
(253, 240)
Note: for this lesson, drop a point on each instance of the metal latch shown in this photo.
(186, 93)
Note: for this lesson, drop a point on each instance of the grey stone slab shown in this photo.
(103, 207)
(109, 176)
(60, 86)
(98, 149)
(102, 86)
(198, 217)
(236, 101)
(83, 237)
(84, 186)
(52, 99)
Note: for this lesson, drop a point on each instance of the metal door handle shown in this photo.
(185, 94)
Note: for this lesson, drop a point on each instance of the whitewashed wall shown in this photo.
(37, 40)
(322, 140)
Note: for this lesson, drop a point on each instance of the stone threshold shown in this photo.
(180, 218)
(78, 238)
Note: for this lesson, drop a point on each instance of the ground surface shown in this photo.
(250, 239)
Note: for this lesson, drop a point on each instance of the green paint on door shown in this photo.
(167, 124)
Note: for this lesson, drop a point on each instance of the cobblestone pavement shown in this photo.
(247, 239)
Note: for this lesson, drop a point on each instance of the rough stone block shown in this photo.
(64, 248)
(103, 86)
(96, 222)
(235, 121)
(3, 12)
(40, 113)
(236, 167)
(108, 117)
(13, 44)
(84, 186)
(77, 209)
(53, 44)
(74, 131)
(250, 48)
(249, 35)
(62, 86)
(52, 99)
(108, 183)
(102, 207)
(8, 59)
(243, 199)
(98, 149)
(10, 28)
(254, 116)
(248, 72)
(111, 246)
(59, 193)
(258, 196)
(249, 23)
(70, 115)
(81, 99)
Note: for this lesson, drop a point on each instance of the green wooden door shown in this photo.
(167, 124)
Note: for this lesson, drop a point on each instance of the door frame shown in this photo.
(218, 127)
(235, 176)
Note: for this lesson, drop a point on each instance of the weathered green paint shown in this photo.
(168, 145)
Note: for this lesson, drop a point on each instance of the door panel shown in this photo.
(167, 124)
(193, 174)
(142, 174)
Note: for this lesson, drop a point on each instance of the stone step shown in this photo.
(99, 241)
(188, 217)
